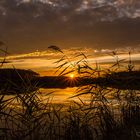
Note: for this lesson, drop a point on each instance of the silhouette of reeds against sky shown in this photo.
(29, 25)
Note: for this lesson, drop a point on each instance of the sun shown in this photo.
(72, 76)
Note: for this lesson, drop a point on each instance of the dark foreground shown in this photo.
(109, 115)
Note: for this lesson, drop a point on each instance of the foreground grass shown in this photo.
(111, 114)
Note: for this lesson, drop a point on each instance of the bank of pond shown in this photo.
(19, 79)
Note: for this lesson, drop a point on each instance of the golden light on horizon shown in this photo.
(72, 76)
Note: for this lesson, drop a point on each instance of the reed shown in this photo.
(111, 114)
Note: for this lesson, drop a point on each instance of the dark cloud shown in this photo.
(27, 25)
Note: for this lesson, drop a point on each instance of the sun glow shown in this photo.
(72, 76)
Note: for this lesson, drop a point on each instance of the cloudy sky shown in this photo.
(29, 25)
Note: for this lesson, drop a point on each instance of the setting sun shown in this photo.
(72, 76)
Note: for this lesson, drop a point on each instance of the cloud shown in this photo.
(27, 25)
(66, 10)
(36, 8)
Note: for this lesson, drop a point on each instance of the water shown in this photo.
(44, 64)
(63, 96)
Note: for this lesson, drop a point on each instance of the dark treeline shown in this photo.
(12, 79)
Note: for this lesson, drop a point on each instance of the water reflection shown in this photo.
(62, 96)
(46, 96)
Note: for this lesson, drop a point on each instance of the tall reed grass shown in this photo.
(111, 114)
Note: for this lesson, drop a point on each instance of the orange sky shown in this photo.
(44, 62)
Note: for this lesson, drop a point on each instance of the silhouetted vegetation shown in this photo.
(13, 78)
(111, 113)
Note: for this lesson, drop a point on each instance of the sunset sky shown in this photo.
(30, 25)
